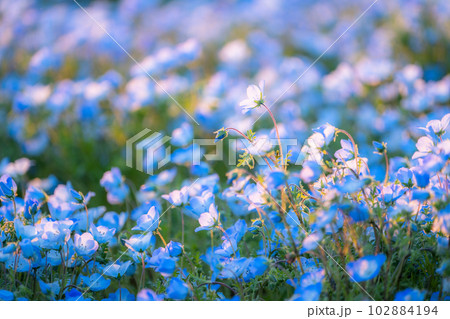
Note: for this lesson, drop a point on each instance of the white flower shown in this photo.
(255, 97)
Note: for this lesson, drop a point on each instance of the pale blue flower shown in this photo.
(85, 245)
(209, 219)
(148, 222)
(365, 268)
(140, 243)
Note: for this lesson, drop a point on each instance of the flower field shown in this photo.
(225, 150)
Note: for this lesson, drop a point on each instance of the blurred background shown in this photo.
(70, 96)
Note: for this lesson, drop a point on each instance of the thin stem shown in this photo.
(278, 135)
(120, 291)
(14, 205)
(182, 227)
(87, 217)
(141, 282)
(162, 238)
(212, 239)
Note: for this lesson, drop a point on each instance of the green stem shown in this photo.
(87, 217)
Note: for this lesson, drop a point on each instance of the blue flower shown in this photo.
(158, 180)
(95, 282)
(113, 220)
(420, 195)
(275, 179)
(391, 193)
(140, 243)
(421, 176)
(6, 295)
(309, 293)
(114, 184)
(175, 249)
(311, 241)
(201, 169)
(51, 289)
(85, 245)
(424, 146)
(31, 208)
(148, 222)
(200, 204)
(77, 196)
(182, 135)
(27, 248)
(432, 163)
(18, 263)
(366, 267)
(233, 268)
(8, 188)
(121, 294)
(6, 252)
(410, 294)
(346, 152)
(117, 270)
(310, 172)
(327, 131)
(232, 237)
(75, 295)
(24, 231)
(148, 295)
(350, 184)
(177, 197)
(102, 234)
(359, 213)
(438, 127)
(256, 267)
(177, 289)
(324, 217)
(163, 262)
(405, 176)
(312, 278)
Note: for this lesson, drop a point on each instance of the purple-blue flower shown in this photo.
(366, 267)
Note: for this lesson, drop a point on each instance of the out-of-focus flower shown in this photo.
(177, 289)
(410, 294)
(366, 268)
